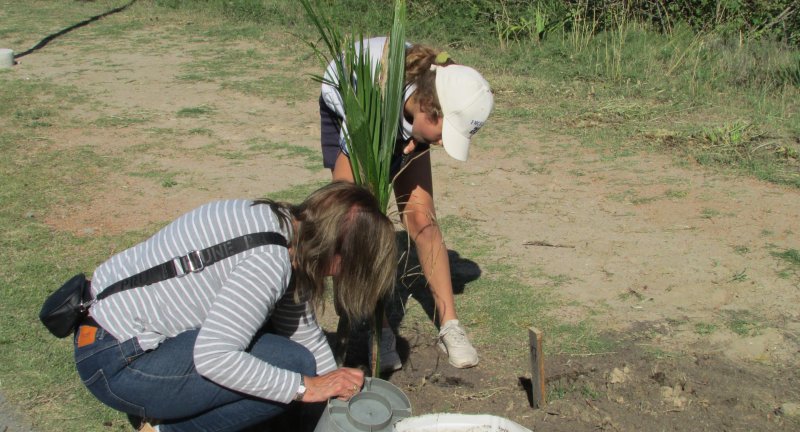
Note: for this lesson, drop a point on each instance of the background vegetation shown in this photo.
(477, 19)
(729, 69)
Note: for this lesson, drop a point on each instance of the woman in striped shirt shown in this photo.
(234, 344)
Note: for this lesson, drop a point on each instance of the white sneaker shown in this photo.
(453, 341)
(390, 359)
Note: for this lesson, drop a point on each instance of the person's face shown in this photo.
(424, 130)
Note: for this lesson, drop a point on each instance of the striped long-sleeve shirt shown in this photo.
(228, 301)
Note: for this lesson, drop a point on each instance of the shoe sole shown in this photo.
(393, 368)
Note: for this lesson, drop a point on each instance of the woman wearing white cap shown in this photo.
(443, 104)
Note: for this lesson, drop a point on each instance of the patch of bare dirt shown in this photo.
(625, 390)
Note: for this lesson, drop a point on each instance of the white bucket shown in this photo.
(458, 423)
(6, 58)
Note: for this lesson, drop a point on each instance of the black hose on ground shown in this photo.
(49, 38)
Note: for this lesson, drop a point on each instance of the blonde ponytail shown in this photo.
(419, 59)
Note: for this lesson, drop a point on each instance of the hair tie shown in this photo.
(442, 57)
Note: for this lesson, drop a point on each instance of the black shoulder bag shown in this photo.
(67, 306)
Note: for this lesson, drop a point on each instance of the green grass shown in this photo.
(196, 111)
(705, 328)
(160, 176)
(743, 323)
(709, 213)
(286, 88)
(224, 63)
(791, 256)
(461, 233)
(727, 105)
(676, 194)
(36, 370)
(632, 295)
(558, 391)
(124, 120)
(201, 131)
(33, 103)
(235, 69)
(234, 155)
(741, 249)
(23, 27)
(662, 101)
(589, 392)
(656, 353)
(628, 195)
(296, 194)
(284, 150)
(739, 276)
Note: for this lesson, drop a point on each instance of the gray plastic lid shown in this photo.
(376, 409)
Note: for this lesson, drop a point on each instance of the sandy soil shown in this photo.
(652, 247)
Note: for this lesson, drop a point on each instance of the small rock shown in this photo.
(666, 392)
(620, 400)
(30, 215)
(790, 409)
(617, 376)
(659, 377)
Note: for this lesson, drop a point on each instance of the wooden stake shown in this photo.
(535, 337)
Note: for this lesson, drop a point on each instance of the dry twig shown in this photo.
(546, 244)
(482, 395)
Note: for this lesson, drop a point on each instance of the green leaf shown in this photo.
(373, 100)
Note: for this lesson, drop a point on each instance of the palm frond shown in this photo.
(372, 97)
(373, 100)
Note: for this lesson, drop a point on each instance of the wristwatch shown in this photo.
(301, 391)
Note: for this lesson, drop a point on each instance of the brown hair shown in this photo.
(419, 59)
(342, 219)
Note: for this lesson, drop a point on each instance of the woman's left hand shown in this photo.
(410, 147)
(342, 383)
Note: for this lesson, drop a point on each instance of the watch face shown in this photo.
(300, 393)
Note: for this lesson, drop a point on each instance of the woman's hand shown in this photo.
(416, 146)
(410, 147)
(343, 383)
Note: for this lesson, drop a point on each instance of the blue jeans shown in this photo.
(163, 383)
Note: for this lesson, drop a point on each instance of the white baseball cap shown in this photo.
(466, 101)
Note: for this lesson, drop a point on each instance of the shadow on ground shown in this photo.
(352, 343)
